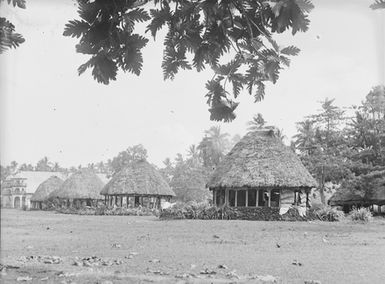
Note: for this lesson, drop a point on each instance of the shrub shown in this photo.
(114, 211)
(194, 210)
(362, 214)
(329, 214)
(190, 210)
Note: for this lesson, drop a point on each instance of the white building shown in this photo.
(16, 190)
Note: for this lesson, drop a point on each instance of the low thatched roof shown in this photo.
(375, 191)
(346, 196)
(260, 159)
(45, 188)
(138, 178)
(379, 196)
(83, 184)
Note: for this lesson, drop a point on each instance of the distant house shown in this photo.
(261, 172)
(17, 190)
(137, 184)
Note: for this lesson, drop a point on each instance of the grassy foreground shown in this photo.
(143, 249)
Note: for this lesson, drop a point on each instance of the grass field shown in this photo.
(179, 251)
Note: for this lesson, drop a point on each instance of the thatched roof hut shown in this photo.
(370, 189)
(139, 179)
(82, 185)
(45, 188)
(260, 159)
(260, 171)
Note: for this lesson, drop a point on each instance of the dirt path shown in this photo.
(142, 249)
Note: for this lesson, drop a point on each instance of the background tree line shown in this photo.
(341, 145)
(345, 146)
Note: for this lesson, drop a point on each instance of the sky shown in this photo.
(46, 109)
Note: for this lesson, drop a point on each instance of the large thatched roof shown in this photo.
(45, 188)
(83, 184)
(139, 178)
(259, 159)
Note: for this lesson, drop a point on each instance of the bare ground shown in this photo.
(179, 251)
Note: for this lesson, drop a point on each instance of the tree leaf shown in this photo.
(76, 28)
(291, 50)
(378, 4)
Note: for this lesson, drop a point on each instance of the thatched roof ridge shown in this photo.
(45, 188)
(138, 178)
(83, 184)
(260, 159)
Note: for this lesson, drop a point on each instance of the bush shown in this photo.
(362, 214)
(112, 211)
(329, 214)
(194, 210)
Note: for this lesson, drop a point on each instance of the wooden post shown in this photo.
(247, 198)
(121, 201)
(269, 200)
(226, 196)
(214, 197)
(307, 199)
(236, 198)
(256, 197)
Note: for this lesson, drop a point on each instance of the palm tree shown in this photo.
(256, 123)
(213, 146)
(279, 134)
(305, 138)
(194, 154)
(219, 140)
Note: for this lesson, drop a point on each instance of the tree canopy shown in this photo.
(8, 36)
(345, 149)
(232, 37)
(235, 38)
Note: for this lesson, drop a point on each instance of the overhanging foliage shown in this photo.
(199, 35)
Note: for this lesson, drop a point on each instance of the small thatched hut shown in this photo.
(261, 172)
(43, 191)
(140, 183)
(368, 192)
(81, 188)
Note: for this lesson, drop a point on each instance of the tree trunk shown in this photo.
(322, 187)
(322, 193)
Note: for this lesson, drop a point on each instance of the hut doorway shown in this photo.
(263, 198)
(23, 201)
(137, 201)
(251, 198)
(220, 197)
(241, 198)
(275, 197)
(16, 202)
(231, 198)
